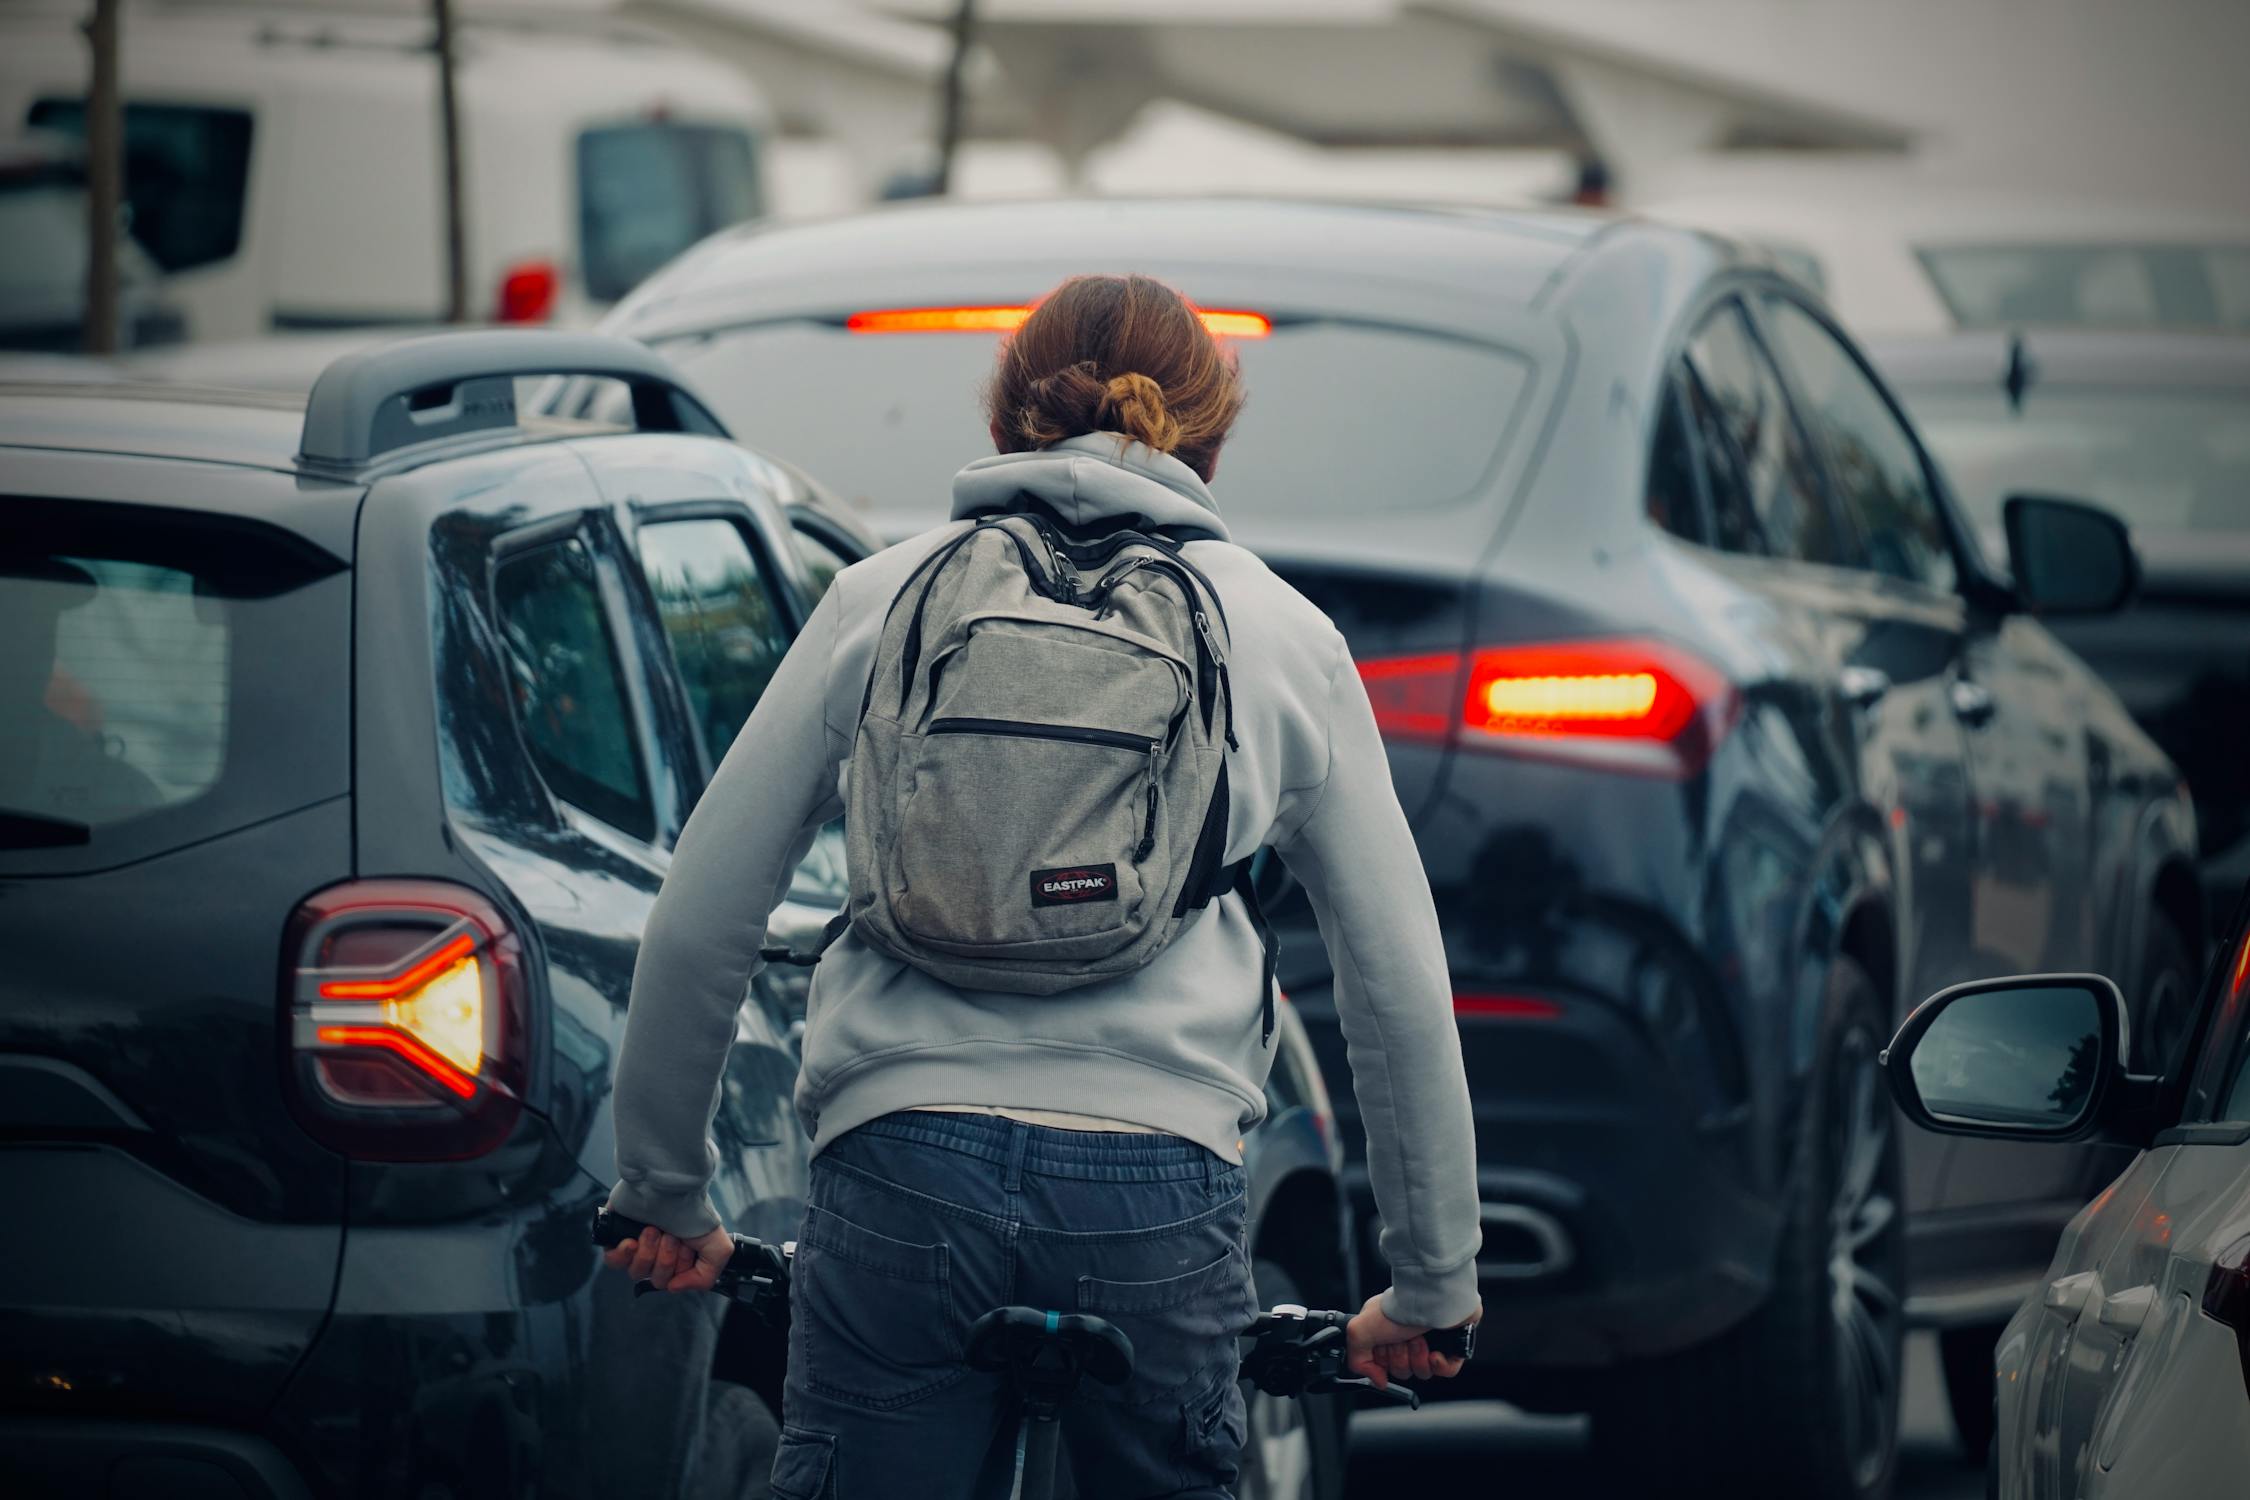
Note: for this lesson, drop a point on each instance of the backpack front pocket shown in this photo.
(1020, 839)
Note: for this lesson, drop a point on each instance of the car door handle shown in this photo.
(1972, 702)
(1863, 687)
(2069, 1294)
(2126, 1311)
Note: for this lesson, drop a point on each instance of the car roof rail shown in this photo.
(444, 385)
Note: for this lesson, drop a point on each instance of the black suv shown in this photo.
(341, 745)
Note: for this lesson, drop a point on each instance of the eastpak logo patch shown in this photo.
(1071, 884)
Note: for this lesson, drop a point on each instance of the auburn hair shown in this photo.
(1123, 354)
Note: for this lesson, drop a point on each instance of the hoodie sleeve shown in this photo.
(733, 865)
(1359, 865)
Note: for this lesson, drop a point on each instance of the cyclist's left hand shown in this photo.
(671, 1264)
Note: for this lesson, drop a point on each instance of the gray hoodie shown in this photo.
(1175, 1046)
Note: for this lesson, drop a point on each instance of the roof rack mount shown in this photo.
(443, 385)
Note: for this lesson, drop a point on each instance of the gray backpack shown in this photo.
(1037, 797)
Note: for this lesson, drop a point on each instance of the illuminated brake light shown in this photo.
(1226, 325)
(425, 1058)
(1627, 704)
(1506, 1007)
(408, 1014)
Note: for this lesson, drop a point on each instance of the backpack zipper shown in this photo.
(1115, 739)
(1076, 734)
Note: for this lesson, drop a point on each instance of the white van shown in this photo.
(284, 166)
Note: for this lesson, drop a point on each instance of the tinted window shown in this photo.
(2167, 460)
(822, 562)
(2114, 286)
(161, 680)
(727, 632)
(187, 171)
(647, 192)
(1877, 470)
(569, 691)
(1777, 501)
(1343, 419)
(1672, 499)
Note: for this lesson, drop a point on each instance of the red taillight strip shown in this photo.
(1511, 1007)
(1631, 704)
(400, 984)
(1413, 696)
(1228, 325)
(408, 1047)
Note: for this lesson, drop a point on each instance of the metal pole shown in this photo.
(449, 135)
(105, 141)
(949, 102)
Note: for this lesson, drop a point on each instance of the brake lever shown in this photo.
(1405, 1395)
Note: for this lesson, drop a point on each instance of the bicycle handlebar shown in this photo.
(1296, 1351)
(757, 1274)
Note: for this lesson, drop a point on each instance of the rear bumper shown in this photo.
(141, 1461)
(1615, 1229)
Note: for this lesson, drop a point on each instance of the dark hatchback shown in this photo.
(1720, 738)
(343, 747)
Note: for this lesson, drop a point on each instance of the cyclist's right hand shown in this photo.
(1384, 1350)
(671, 1264)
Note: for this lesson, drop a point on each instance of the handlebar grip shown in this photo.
(1453, 1343)
(612, 1228)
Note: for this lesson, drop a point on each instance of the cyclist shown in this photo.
(1079, 1151)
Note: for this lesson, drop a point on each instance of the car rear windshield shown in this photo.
(646, 192)
(2094, 286)
(2167, 461)
(164, 677)
(1343, 418)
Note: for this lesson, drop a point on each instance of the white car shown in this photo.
(282, 161)
(1908, 260)
(2127, 1375)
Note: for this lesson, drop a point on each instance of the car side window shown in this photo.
(568, 684)
(723, 617)
(1762, 471)
(2237, 1104)
(1672, 499)
(1877, 468)
(2218, 1084)
(822, 562)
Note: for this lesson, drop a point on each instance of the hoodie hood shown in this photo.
(1094, 478)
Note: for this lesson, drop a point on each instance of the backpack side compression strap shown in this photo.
(1248, 890)
(837, 925)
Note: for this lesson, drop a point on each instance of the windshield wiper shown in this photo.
(30, 830)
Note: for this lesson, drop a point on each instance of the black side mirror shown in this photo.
(2032, 1057)
(2069, 558)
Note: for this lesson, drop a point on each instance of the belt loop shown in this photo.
(1019, 1137)
(1210, 1173)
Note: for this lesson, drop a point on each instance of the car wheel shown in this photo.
(1966, 1354)
(2165, 1006)
(1800, 1401)
(1295, 1447)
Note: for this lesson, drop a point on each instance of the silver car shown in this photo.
(2127, 1374)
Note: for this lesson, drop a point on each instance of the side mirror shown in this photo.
(2069, 558)
(2033, 1057)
